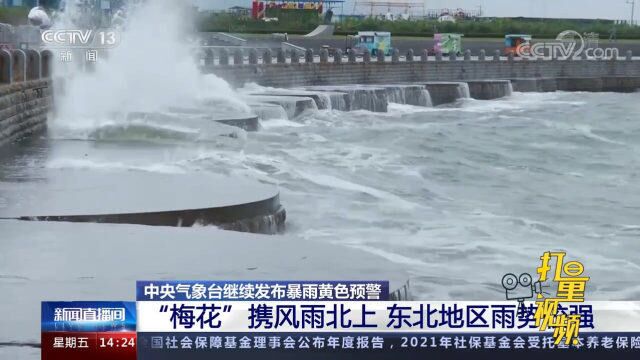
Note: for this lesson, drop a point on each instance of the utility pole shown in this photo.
(633, 10)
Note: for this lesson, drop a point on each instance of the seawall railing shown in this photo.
(292, 54)
(24, 65)
(290, 68)
(25, 92)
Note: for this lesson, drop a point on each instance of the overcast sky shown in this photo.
(604, 9)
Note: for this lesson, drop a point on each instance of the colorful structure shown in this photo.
(372, 42)
(268, 8)
(447, 43)
(517, 44)
(25, 3)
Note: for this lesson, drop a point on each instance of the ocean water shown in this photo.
(462, 195)
(457, 195)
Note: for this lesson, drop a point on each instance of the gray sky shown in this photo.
(604, 9)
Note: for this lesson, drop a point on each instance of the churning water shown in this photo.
(465, 194)
(458, 195)
(152, 68)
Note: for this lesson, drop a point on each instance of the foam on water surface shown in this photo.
(493, 182)
(129, 80)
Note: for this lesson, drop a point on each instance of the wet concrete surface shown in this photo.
(62, 261)
(124, 182)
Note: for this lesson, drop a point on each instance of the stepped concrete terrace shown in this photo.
(319, 82)
(26, 99)
(132, 198)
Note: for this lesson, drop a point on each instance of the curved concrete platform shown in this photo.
(244, 122)
(268, 111)
(534, 84)
(147, 199)
(410, 94)
(62, 261)
(192, 125)
(416, 95)
(361, 97)
(293, 105)
(324, 100)
(489, 89)
(443, 92)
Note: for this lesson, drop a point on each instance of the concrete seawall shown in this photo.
(489, 89)
(445, 92)
(25, 95)
(25, 92)
(338, 71)
(23, 109)
(592, 84)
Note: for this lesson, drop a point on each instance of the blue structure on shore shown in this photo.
(28, 3)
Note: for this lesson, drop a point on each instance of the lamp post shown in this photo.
(633, 9)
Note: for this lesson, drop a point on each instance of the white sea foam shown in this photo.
(162, 168)
(581, 129)
(337, 183)
(151, 69)
(278, 123)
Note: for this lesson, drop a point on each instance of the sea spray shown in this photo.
(152, 68)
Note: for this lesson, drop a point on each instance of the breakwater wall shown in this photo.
(25, 93)
(291, 70)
